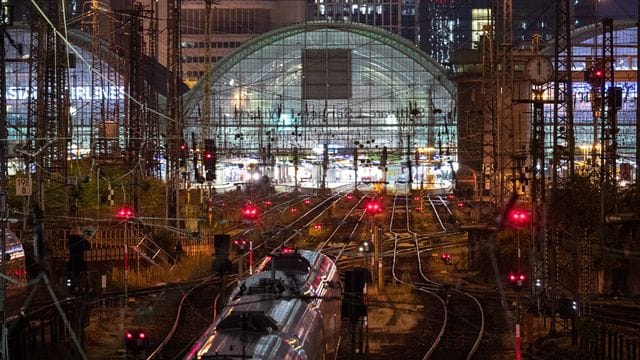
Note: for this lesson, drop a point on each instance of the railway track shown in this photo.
(189, 308)
(195, 307)
(195, 312)
(461, 314)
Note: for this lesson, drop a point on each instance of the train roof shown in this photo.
(299, 261)
(277, 312)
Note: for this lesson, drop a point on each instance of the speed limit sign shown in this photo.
(23, 187)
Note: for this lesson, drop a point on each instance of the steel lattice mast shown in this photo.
(488, 183)
(506, 144)
(51, 109)
(174, 109)
(153, 141)
(136, 127)
(608, 128)
(560, 252)
(3, 182)
(98, 107)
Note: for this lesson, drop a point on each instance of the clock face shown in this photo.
(539, 70)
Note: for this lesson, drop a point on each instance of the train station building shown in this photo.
(342, 89)
(327, 90)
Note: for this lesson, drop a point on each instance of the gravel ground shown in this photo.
(155, 315)
(404, 326)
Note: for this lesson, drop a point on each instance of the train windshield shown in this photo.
(252, 321)
(290, 263)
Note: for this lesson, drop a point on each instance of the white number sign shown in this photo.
(23, 187)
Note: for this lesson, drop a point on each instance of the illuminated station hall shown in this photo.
(334, 95)
(319, 179)
(320, 104)
(340, 91)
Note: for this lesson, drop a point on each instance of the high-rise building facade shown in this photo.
(396, 16)
(431, 25)
(438, 27)
(233, 22)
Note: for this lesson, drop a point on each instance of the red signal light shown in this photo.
(373, 207)
(250, 212)
(124, 213)
(141, 335)
(517, 280)
(460, 204)
(294, 210)
(240, 244)
(446, 258)
(519, 217)
(598, 73)
(349, 196)
(129, 335)
(287, 250)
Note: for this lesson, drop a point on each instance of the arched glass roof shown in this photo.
(339, 84)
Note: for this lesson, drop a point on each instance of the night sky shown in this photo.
(618, 9)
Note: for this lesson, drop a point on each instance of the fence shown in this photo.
(41, 332)
(107, 244)
(602, 342)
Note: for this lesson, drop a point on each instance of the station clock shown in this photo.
(538, 70)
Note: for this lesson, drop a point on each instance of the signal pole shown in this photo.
(518, 337)
(378, 255)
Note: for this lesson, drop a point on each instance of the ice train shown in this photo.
(288, 309)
